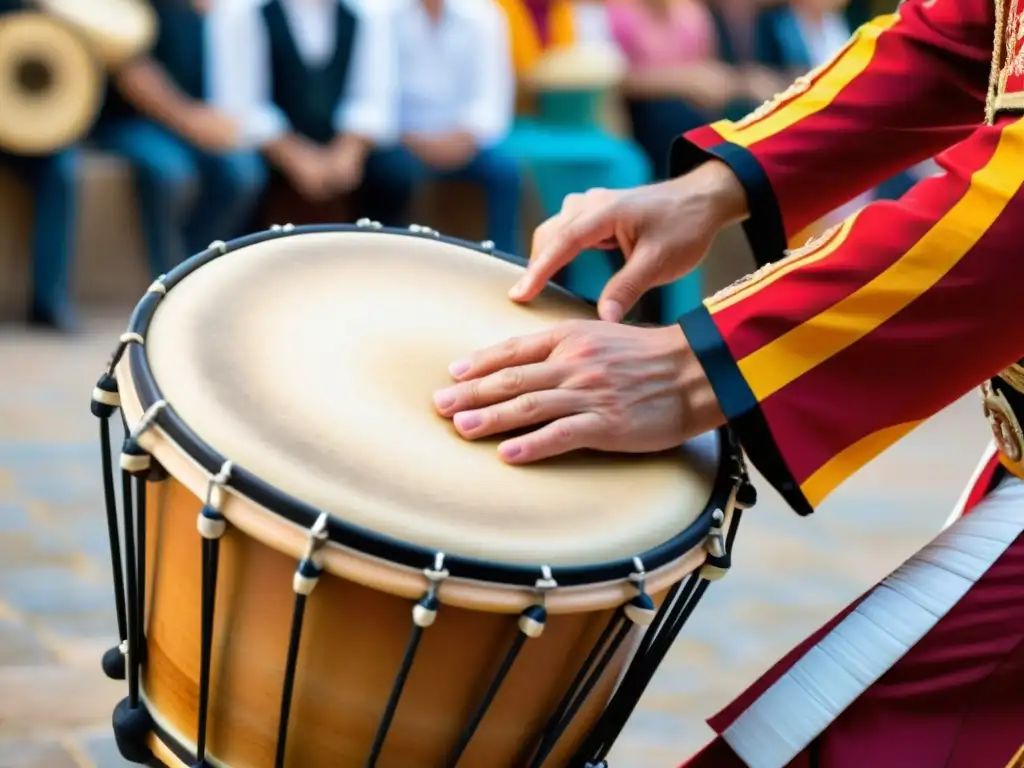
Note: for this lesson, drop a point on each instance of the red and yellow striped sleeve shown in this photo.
(905, 87)
(825, 358)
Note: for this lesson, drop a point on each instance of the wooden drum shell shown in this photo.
(352, 645)
(358, 621)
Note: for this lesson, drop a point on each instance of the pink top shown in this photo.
(649, 42)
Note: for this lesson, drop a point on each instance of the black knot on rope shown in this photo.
(131, 732)
(134, 459)
(105, 397)
(211, 522)
(309, 570)
(532, 620)
(424, 613)
(306, 576)
(746, 496)
(113, 663)
(640, 610)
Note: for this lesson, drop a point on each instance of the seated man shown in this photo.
(51, 180)
(457, 91)
(313, 83)
(195, 184)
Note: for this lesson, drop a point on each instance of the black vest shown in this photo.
(309, 96)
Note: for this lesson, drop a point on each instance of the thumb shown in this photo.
(626, 286)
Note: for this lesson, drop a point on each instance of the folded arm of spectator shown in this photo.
(146, 85)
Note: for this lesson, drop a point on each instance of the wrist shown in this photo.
(700, 404)
(722, 190)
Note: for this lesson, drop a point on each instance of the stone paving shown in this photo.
(56, 609)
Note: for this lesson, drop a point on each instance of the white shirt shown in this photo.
(590, 19)
(825, 39)
(240, 67)
(454, 74)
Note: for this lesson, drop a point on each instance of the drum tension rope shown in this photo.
(131, 720)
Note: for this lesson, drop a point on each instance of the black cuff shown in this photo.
(740, 406)
(764, 228)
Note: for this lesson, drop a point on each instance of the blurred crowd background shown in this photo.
(214, 118)
(132, 134)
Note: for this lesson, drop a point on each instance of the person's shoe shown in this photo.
(60, 318)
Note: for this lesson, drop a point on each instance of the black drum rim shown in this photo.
(357, 538)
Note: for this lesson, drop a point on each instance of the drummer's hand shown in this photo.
(663, 230)
(583, 384)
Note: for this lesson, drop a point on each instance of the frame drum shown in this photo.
(51, 88)
(117, 30)
(365, 587)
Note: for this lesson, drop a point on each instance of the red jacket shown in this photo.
(834, 352)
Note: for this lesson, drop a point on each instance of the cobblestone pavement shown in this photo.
(56, 613)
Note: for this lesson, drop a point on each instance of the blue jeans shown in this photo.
(52, 181)
(187, 197)
(494, 170)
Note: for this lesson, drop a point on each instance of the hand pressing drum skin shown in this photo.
(599, 384)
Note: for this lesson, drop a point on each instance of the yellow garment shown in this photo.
(524, 40)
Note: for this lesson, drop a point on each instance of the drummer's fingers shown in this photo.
(572, 206)
(498, 387)
(581, 430)
(523, 411)
(569, 236)
(519, 350)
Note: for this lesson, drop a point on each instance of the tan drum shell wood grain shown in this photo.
(353, 641)
(359, 617)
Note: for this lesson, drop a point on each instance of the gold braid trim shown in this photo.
(997, 61)
(1014, 376)
(1018, 759)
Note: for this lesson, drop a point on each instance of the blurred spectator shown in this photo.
(314, 83)
(675, 81)
(194, 182)
(457, 95)
(736, 22)
(567, 66)
(800, 35)
(51, 180)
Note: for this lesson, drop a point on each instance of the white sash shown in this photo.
(894, 616)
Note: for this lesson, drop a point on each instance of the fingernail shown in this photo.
(458, 368)
(611, 311)
(468, 420)
(509, 450)
(444, 398)
(517, 290)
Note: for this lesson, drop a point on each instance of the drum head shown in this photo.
(311, 360)
(50, 87)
